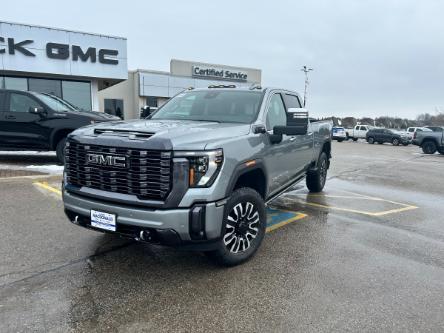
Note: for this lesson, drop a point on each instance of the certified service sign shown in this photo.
(219, 73)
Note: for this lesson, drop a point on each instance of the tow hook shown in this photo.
(144, 235)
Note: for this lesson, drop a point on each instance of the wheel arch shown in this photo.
(254, 177)
(430, 139)
(58, 135)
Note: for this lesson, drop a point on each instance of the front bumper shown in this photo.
(197, 225)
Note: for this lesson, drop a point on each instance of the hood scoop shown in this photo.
(132, 135)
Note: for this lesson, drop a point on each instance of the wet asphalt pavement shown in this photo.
(369, 256)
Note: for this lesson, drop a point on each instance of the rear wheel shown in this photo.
(395, 142)
(244, 229)
(355, 139)
(371, 140)
(316, 179)
(429, 147)
(60, 151)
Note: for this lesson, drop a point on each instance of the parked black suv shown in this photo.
(35, 121)
(382, 135)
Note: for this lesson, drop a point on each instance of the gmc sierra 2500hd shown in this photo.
(199, 171)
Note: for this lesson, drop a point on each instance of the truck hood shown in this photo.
(183, 134)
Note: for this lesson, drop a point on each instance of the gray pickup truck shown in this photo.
(198, 172)
(430, 141)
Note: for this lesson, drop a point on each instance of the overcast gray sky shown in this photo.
(370, 58)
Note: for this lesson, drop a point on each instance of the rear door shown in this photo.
(21, 129)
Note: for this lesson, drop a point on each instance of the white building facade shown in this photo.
(72, 65)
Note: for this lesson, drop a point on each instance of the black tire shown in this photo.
(245, 222)
(405, 144)
(316, 180)
(395, 141)
(355, 139)
(380, 142)
(371, 140)
(429, 147)
(441, 151)
(60, 151)
(340, 140)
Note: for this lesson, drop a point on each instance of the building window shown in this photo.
(16, 83)
(151, 101)
(114, 107)
(53, 87)
(78, 94)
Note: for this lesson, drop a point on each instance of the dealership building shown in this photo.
(90, 70)
(72, 65)
(153, 88)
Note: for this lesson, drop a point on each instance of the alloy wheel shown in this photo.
(242, 227)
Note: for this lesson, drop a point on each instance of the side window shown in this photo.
(292, 101)
(21, 103)
(276, 115)
(411, 130)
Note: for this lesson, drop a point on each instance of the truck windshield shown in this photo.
(215, 105)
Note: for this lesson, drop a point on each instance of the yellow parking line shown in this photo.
(407, 207)
(399, 210)
(47, 187)
(281, 224)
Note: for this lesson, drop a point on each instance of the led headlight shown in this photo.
(204, 166)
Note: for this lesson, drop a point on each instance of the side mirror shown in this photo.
(36, 110)
(146, 111)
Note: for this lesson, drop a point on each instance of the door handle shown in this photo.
(10, 117)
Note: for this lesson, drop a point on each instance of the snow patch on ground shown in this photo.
(50, 168)
(26, 152)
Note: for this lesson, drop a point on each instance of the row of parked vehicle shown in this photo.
(429, 138)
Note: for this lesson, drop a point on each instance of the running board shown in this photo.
(274, 196)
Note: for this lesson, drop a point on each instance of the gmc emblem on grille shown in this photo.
(107, 160)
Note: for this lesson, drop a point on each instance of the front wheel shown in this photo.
(244, 228)
(355, 139)
(316, 179)
(60, 151)
(371, 140)
(395, 142)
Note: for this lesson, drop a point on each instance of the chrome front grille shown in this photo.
(147, 174)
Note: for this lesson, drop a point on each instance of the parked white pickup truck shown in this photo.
(358, 132)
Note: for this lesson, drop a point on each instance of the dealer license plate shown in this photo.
(103, 220)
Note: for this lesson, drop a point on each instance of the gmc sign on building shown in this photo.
(69, 64)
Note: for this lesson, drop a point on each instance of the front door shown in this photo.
(19, 128)
(279, 159)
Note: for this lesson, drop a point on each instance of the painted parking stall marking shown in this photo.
(352, 203)
(277, 218)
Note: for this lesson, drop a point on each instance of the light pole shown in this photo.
(305, 69)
